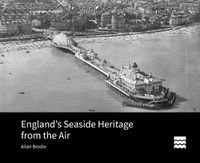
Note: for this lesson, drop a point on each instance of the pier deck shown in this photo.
(76, 49)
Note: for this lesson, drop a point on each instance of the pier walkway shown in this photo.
(106, 69)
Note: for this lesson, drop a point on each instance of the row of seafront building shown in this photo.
(130, 15)
(16, 16)
(19, 16)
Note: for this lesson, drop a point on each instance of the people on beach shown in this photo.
(16, 46)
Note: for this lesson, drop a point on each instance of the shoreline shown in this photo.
(10, 46)
(123, 33)
(134, 36)
(150, 32)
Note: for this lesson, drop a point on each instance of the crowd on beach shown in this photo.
(23, 45)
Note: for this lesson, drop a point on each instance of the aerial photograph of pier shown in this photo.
(99, 55)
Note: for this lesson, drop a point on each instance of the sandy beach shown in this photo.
(6, 47)
(135, 36)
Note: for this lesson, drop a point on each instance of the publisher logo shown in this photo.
(179, 142)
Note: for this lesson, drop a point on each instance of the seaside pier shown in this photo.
(87, 56)
(142, 90)
(76, 50)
